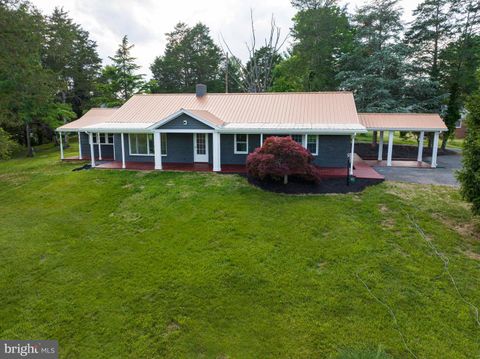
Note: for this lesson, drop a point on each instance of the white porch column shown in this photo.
(99, 147)
(61, 145)
(157, 142)
(216, 152)
(380, 147)
(390, 148)
(80, 154)
(261, 140)
(123, 150)
(435, 149)
(352, 155)
(420, 146)
(92, 149)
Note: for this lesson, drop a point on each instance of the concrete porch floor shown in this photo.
(399, 163)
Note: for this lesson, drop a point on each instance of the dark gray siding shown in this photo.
(192, 124)
(179, 148)
(228, 156)
(333, 150)
(107, 150)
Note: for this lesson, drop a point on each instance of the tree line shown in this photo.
(51, 73)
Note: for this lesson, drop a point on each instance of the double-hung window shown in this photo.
(312, 144)
(103, 138)
(298, 139)
(141, 144)
(241, 144)
(163, 141)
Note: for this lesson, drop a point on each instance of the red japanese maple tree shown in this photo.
(280, 157)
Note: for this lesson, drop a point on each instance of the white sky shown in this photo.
(146, 21)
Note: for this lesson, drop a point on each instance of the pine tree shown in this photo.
(430, 30)
(375, 69)
(125, 78)
(322, 34)
(72, 56)
(190, 57)
(469, 175)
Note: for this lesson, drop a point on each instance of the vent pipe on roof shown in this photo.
(201, 90)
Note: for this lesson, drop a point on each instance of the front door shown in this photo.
(200, 147)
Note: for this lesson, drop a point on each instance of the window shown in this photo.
(141, 144)
(312, 144)
(103, 138)
(458, 124)
(241, 144)
(298, 138)
(163, 139)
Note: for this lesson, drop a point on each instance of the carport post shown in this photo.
(380, 147)
(92, 150)
(390, 148)
(420, 146)
(157, 142)
(261, 140)
(80, 154)
(352, 154)
(99, 147)
(123, 150)
(435, 149)
(61, 146)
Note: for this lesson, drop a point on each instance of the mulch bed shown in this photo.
(297, 186)
(369, 152)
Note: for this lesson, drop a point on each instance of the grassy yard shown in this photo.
(123, 264)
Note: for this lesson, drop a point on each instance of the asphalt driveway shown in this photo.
(444, 174)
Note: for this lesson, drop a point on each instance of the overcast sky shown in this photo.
(146, 21)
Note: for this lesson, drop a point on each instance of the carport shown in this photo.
(406, 122)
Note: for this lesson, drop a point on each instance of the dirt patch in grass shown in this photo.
(297, 186)
(473, 255)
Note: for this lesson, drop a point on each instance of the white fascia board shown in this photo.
(178, 113)
(406, 129)
(293, 130)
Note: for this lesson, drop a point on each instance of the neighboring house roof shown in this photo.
(322, 111)
(91, 117)
(402, 121)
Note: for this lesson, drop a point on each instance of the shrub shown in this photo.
(469, 175)
(7, 145)
(280, 157)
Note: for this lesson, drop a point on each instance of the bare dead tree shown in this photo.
(257, 72)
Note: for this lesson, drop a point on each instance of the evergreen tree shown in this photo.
(430, 30)
(375, 70)
(469, 175)
(124, 79)
(191, 57)
(73, 57)
(27, 89)
(322, 34)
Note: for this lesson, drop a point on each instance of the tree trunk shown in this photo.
(444, 141)
(29, 140)
(374, 139)
(285, 179)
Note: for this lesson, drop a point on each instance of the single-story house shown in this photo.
(222, 129)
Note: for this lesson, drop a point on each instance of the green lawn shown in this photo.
(123, 264)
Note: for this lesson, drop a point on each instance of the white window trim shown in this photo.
(235, 145)
(130, 145)
(97, 138)
(303, 137)
(166, 144)
(316, 144)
